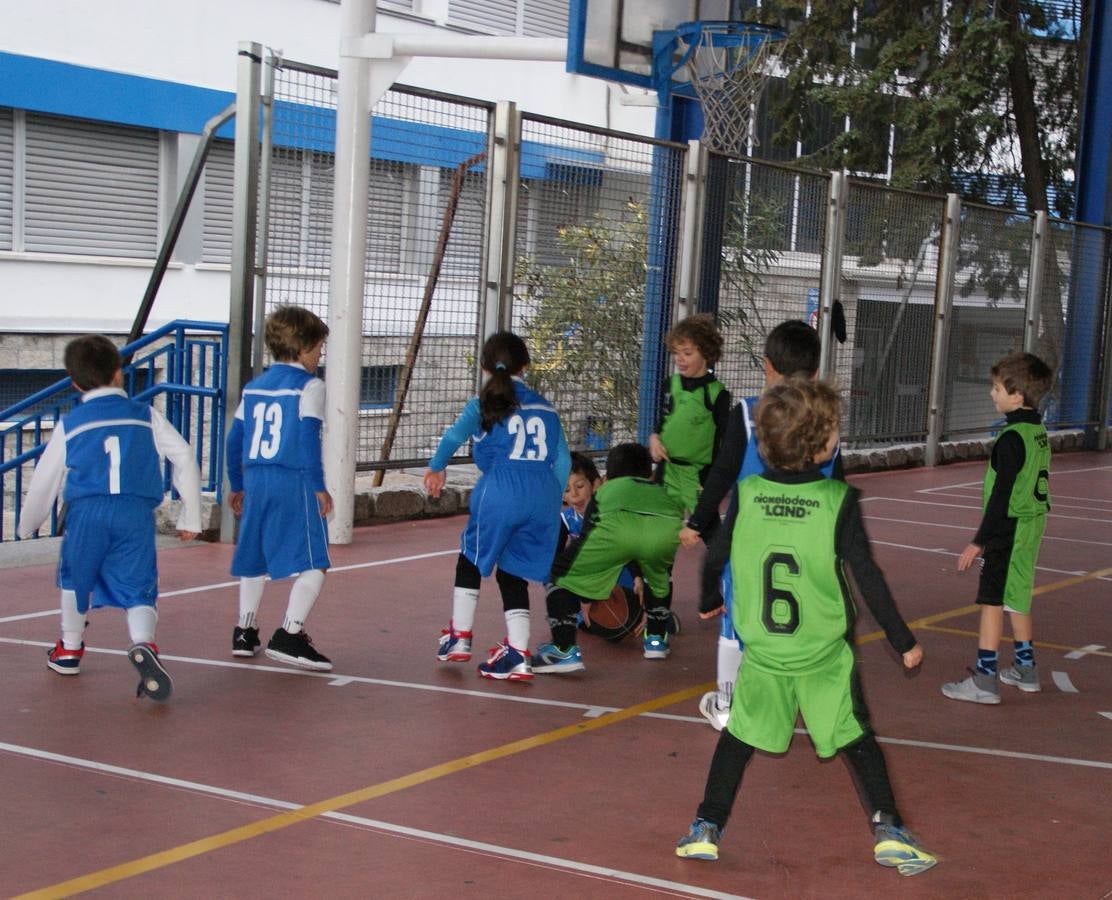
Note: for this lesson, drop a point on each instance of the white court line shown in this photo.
(943, 552)
(1053, 499)
(1089, 519)
(1053, 474)
(555, 862)
(1084, 651)
(34, 615)
(1045, 537)
(1063, 683)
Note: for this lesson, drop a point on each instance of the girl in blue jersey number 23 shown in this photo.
(518, 445)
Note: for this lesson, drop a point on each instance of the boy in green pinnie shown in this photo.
(1016, 503)
(695, 410)
(796, 537)
(628, 520)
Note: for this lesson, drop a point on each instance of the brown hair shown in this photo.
(701, 331)
(292, 329)
(91, 361)
(794, 422)
(1024, 373)
(504, 355)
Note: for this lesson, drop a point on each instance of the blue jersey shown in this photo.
(528, 438)
(271, 428)
(110, 450)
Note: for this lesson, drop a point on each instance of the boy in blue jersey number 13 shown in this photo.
(108, 451)
(277, 480)
(518, 444)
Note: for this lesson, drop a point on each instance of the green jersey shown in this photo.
(689, 429)
(792, 603)
(1031, 492)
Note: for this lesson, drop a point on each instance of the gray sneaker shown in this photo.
(977, 688)
(1026, 678)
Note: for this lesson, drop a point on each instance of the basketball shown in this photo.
(615, 617)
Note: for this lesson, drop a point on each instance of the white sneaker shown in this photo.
(708, 706)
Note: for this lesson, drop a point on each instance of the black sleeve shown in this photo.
(838, 471)
(852, 544)
(716, 559)
(723, 471)
(1008, 456)
(721, 413)
(665, 404)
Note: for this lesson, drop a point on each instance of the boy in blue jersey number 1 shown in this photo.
(797, 539)
(518, 444)
(108, 451)
(791, 350)
(1016, 503)
(277, 480)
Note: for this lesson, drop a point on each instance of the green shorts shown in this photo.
(682, 484)
(617, 540)
(1008, 575)
(765, 706)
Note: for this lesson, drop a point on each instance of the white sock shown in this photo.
(303, 595)
(141, 622)
(729, 658)
(250, 596)
(73, 622)
(464, 601)
(517, 629)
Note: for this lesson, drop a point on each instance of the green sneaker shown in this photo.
(897, 848)
(701, 841)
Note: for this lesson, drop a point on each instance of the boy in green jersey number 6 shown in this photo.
(1016, 503)
(795, 535)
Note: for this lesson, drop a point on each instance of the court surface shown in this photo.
(398, 776)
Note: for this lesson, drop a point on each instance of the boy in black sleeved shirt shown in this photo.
(1016, 501)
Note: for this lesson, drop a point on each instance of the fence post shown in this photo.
(1039, 236)
(943, 306)
(691, 234)
(244, 210)
(1105, 399)
(262, 250)
(830, 281)
(503, 174)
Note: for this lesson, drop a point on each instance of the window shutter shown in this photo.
(495, 16)
(287, 197)
(384, 217)
(465, 241)
(91, 188)
(216, 235)
(546, 18)
(6, 176)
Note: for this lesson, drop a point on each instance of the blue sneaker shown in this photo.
(454, 646)
(507, 663)
(897, 848)
(701, 841)
(550, 658)
(656, 646)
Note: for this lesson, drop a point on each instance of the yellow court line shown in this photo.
(292, 817)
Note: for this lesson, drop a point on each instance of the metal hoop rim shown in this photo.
(724, 33)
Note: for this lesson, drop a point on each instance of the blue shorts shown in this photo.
(281, 532)
(108, 552)
(514, 522)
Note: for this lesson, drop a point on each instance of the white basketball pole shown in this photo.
(369, 64)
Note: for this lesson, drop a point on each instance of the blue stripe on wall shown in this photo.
(46, 86)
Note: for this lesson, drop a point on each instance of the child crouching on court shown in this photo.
(630, 519)
(108, 452)
(794, 534)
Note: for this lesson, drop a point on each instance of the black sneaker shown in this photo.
(245, 641)
(154, 680)
(297, 650)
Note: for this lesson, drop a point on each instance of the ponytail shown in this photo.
(504, 355)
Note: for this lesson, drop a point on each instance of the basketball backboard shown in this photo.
(613, 39)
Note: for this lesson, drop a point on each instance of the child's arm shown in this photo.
(853, 547)
(184, 473)
(561, 459)
(717, 558)
(233, 461)
(1008, 456)
(310, 454)
(657, 450)
(721, 477)
(45, 485)
(466, 425)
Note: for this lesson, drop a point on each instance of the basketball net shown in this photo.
(728, 78)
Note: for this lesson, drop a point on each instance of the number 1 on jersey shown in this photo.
(112, 448)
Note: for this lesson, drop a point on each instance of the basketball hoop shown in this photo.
(727, 71)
